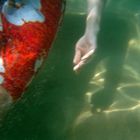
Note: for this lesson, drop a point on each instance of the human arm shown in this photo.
(87, 44)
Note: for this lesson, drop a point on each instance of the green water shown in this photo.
(56, 105)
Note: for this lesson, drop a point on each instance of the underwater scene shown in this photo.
(102, 100)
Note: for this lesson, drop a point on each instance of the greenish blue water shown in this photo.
(56, 105)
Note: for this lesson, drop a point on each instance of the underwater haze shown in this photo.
(57, 104)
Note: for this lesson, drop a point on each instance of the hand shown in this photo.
(84, 49)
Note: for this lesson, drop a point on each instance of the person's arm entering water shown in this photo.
(87, 44)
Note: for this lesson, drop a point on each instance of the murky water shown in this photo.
(57, 106)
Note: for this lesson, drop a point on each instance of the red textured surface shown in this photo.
(21, 46)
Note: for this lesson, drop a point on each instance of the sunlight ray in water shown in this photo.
(131, 72)
(123, 109)
(130, 98)
(128, 85)
(98, 77)
(87, 114)
(98, 74)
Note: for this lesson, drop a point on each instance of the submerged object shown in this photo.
(27, 30)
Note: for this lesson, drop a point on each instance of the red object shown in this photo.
(23, 46)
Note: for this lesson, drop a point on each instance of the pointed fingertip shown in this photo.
(77, 57)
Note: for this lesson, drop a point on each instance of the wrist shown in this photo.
(91, 37)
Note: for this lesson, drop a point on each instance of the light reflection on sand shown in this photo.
(127, 89)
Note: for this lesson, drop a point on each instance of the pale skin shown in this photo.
(87, 44)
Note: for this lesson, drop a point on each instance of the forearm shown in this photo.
(93, 18)
(87, 44)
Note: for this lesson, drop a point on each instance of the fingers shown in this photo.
(77, 57)
(83, 60)
(79, 65)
